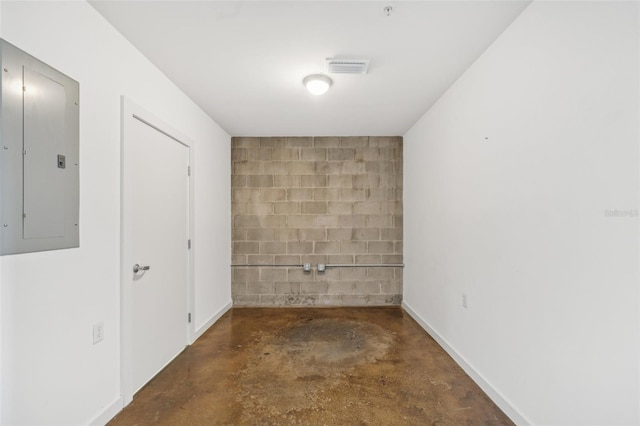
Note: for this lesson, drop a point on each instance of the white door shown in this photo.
(157, 203)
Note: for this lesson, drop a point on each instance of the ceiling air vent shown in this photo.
(347, 66)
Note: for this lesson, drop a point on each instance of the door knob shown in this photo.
(137, 268)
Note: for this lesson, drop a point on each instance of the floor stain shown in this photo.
(310, 366)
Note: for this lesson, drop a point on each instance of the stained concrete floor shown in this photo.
(287, 366)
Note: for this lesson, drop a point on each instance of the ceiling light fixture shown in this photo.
(317, 84)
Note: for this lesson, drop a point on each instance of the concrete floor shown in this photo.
(342, 366)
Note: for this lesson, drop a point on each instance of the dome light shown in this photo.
(317, 84)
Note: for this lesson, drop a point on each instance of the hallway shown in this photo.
(335, 366)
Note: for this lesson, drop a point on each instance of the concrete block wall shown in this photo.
(331, 200)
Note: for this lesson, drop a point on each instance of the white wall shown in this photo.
(51, 371)
(508, 180)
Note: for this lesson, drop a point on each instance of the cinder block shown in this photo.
(391, 287)
(238, 288)
(349, 194)
(245, 247)
(273, 142)
(341, 258)
(340, 154)
(286, 181)
(314, 207)
(274, 221)
(248, 168)
(259, 208)
(354, 300)
(367, 287)
(286, 207)
(326, 142)
(326, 221)
(285, 154)
(327, 247)
(312, 234)
(352, 274)
(314, 287)
(397, 249)
(397, 220)
(338, 234)
(299, 247)
(245, 142)
(352, 221)
(300, 142)
(313, 154)
(339, 207)
(259, 287)
(238, 208)
(379, 221)
(353, 168)
(238, 154)
(354, 141)
(273, 274)
(239, 259)
(327, 167)
(286, 287)
(245, 274)
(275, 167)
(314, 259)
(326, 194)
(273, 247)
(365, 234)
(245, 195)
(299, 194)
(239, 234)
(354, 247)
(368, 258)
(260, 181)
(391, 233)
(259, 154)
(367, 154)
(300, 221)
(260, 234)
(340, 287)
(367, 207)
(271, 194)
(300, 167)
(286, 234)
(246, 300)
(298, 275)
(340, 181)
(366, 181)
(238, 181)
(380, 247)
(288, 259)
(260, 259)
(330, 275)
(313, 181)
(382, 141)
(392, 258)
(380, 274)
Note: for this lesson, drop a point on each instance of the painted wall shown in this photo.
(51, 371)
(521, 192)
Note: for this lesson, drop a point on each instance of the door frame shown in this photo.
(131, 114)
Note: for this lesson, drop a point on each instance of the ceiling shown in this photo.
(243, 62)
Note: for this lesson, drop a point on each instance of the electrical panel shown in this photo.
(39, 155)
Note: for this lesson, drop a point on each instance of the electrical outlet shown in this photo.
(98, 332)
(464, 300)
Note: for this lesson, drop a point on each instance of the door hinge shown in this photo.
(189, 317)
(188, 244)
(188, 170)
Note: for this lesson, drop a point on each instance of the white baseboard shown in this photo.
(517, 417)
(204, 327)
(108, 413)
